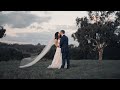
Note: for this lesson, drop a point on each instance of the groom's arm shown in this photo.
(61, 42)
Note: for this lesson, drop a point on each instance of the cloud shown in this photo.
(21, 19)
(37, 33)
(32, 38)
(37, 26)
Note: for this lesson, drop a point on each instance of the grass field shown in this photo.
(80, 69)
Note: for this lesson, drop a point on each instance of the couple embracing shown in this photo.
(61, 57)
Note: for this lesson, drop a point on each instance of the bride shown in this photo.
(57, 60)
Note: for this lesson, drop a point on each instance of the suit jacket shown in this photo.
(64, 44)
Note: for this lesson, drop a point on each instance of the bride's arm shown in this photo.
(56, 42)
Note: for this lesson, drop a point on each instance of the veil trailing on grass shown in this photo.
(27, 62)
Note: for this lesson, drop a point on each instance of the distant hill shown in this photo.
(18, 52)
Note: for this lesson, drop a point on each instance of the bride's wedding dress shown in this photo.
(57, 60)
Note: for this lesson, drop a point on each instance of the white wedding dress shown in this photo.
(57, 60)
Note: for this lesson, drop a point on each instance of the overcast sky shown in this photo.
(33, 27)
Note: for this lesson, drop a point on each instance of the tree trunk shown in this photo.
(100, 54)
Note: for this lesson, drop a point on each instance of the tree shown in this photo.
(97, 31)
(2, 32)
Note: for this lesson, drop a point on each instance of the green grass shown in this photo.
(80, 69)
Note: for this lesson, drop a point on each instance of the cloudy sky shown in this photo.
(33, 27)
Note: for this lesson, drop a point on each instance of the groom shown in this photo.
(64, 49)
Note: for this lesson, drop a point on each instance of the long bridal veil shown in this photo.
(27, 62)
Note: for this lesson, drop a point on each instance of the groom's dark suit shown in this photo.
(65, 51)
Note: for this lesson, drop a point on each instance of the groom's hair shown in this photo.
(63, 31)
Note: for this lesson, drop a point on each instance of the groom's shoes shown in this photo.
(68, 67)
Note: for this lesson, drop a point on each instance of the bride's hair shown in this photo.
(56, 35)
